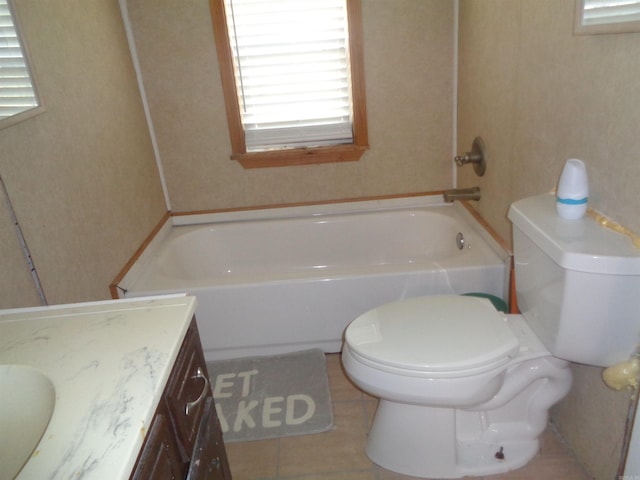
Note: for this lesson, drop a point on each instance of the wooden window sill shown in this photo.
(300, 156)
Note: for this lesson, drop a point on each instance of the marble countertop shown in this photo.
(109, 362)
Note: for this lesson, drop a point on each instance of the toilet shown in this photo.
(465, 390)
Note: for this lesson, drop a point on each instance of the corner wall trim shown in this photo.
(113, 286)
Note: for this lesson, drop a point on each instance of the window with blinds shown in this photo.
(17, 93)
(598, 12)
(292, 71)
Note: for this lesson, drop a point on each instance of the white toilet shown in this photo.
(466, 390)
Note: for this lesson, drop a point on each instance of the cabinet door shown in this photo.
(187, 390)
(160, 459)
(209, 461)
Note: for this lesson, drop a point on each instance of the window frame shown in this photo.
(39, 108)
(294, 156)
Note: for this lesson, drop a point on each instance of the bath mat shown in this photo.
(275, 396)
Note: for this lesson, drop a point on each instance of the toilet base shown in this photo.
(421, 441)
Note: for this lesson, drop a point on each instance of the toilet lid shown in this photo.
(434, 334)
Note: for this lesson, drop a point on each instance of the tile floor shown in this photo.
(340, 453)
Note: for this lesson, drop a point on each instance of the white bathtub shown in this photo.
(277, 280)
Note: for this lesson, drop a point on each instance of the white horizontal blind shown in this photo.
(291, 60)
(597, 12)
(16, 89)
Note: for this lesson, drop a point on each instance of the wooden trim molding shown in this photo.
(113, 287)
(356, 57)
(501, 241)
(300, 156)
(227, 76)
(307, 204)
(511, 301)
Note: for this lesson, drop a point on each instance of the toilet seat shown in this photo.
(433, 336)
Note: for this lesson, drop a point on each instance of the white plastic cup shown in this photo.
(572, 193)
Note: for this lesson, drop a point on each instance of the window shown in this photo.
(607, 16)
(17, 92)
(292, 73)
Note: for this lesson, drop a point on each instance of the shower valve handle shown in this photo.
(476, 156)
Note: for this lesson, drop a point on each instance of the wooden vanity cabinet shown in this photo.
(209, 458)
(185, 439)
(160, 456)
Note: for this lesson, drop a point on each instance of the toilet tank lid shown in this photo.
(581, 245)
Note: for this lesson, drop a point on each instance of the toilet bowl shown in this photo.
(458, 382)
(441, 350)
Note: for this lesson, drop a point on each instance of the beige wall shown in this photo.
(409, 71)
(81, 176)
(17, 289)
(539, 95)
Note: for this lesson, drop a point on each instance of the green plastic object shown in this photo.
(498, 303)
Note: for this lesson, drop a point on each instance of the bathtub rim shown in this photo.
(138, 262)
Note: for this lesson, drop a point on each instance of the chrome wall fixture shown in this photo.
(461, 194)
(476, 157)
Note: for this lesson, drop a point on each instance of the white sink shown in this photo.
(27, 400)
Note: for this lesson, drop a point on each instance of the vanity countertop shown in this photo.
(109, 363)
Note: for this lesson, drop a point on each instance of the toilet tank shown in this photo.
(577, 283)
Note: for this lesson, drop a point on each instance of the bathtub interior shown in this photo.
(309, 246)
(258, 308)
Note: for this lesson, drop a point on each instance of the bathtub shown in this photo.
(284, 279)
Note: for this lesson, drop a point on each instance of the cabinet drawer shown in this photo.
(187, 391)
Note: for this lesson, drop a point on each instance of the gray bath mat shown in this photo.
(269, 397)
